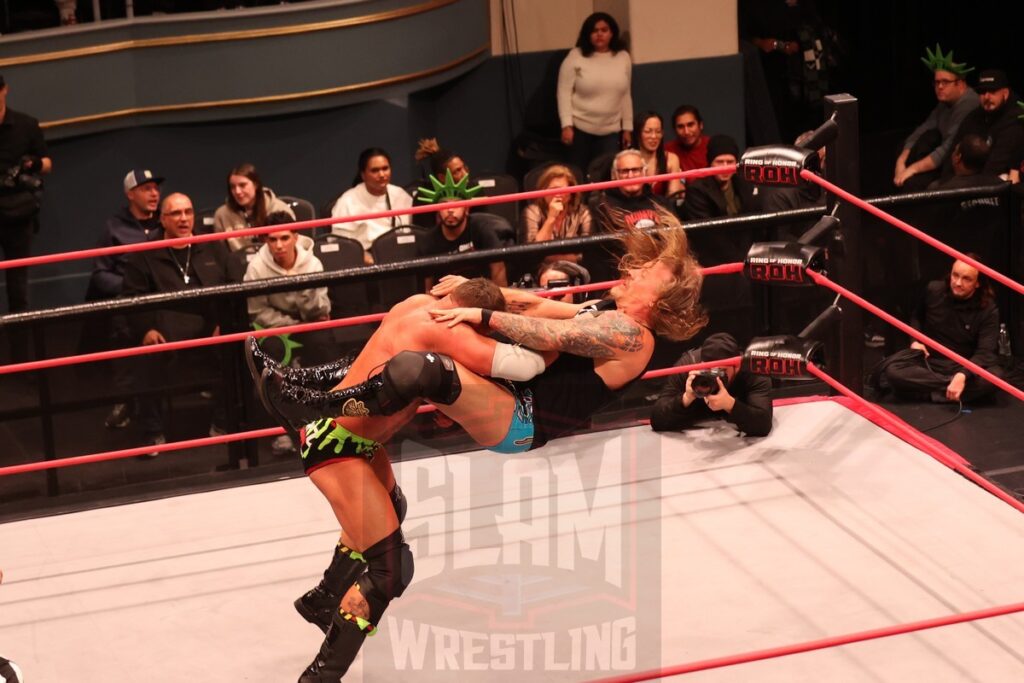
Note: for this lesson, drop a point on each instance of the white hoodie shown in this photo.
(287, 308)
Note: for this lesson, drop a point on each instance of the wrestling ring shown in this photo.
(843, 546)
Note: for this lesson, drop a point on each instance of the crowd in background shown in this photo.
(972, 137)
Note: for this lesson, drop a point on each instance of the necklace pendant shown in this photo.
(185, 275)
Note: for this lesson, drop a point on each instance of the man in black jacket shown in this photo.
(742, 399)
(723, 195)
(961, 315)
(995, 119)
(170, 270)
(135, 222)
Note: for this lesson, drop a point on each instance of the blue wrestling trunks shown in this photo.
(519, 438)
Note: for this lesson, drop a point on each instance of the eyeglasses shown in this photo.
(179, 213)
(943, 82)
(636, 170)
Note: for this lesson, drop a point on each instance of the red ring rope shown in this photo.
(911, 230)
(821, 644)
(320, 222)
(899, 324)
(287, 329)
(261, 433)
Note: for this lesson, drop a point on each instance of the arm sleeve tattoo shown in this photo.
(601, 336)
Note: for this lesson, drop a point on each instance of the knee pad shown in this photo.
(413, 374)
(389, 570)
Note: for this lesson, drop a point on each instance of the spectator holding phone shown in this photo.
(723, 392)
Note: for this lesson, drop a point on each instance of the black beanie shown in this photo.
(719, 346)
(722, 144)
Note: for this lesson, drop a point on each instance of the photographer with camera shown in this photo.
(23, 160)
(726, 392)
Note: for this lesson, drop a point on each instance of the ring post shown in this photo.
(842, 167)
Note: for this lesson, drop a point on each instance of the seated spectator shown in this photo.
(626, 207)
(996, 119)
(721, 195)
(960, 314)
(925, 150)
(171, 270)
(456, 232)
(741, 398)
(372, 192)
(630, 205)
(968, 160)
(132, 224)
(439, 160)
(649, 136)
(247, 206)
(282, 254)
(556, 217)
(690, 145)
(564, 274)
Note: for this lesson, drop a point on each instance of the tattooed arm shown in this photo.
(609, 334)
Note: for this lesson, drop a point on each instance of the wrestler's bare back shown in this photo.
(409, 327)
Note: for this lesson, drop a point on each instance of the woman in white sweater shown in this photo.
(374, 193)
(594, 101)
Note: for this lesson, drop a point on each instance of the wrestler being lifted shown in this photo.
(601, 348)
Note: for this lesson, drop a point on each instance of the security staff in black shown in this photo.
(23, 159)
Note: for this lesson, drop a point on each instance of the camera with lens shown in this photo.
(16, 179)
(705, 382)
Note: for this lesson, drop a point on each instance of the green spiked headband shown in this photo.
(936, 61)
(449, 189)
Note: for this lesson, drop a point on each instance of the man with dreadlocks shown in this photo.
(931, 142)
(602, 347)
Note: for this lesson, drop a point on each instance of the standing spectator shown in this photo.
(961, 315)
(744, 399)
(282, 254)
(650, 136)
(373, 192)
(690, 145)
(247, 206)
(969, 158)
(556, 217)
(172, 269)
(23, 159)
(721, 195)
(931, 142)
(595, 105)
(796, 50)
(134, 223)
(997, 120)
(457, 233)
